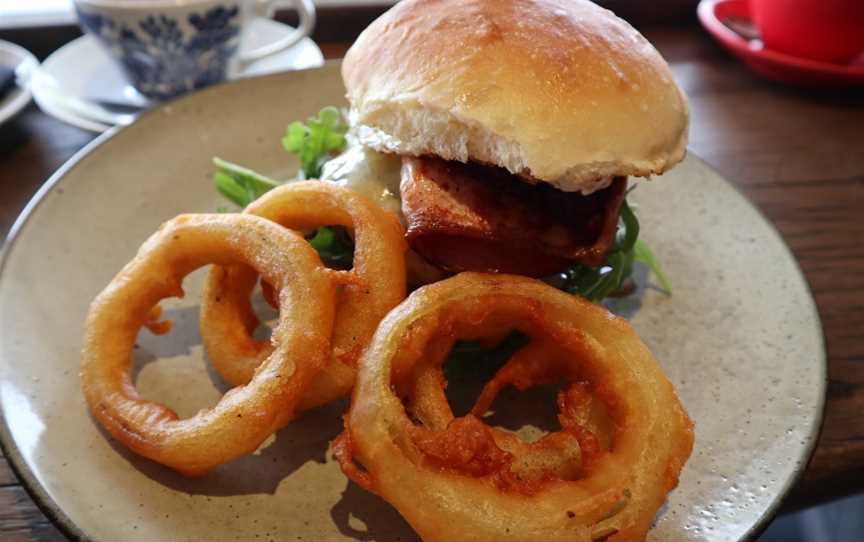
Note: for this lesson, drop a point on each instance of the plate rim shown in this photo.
(37, 492)
(52, 510)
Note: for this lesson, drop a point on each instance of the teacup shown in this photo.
(826, 30)
(171, 47)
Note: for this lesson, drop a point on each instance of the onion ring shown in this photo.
(371, 288)
(594, 479)
(245, 416)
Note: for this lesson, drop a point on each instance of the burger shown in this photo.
(505, 131)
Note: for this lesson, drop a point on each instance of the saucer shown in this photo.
(20, 59)
(85, 75)
(729, 22)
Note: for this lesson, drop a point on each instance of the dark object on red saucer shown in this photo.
(729, 21)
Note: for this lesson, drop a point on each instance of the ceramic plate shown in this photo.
(739, 337)
(23, 62)
(85, 72)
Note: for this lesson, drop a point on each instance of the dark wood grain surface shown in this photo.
(799, 156)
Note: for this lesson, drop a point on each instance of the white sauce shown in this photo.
(375, 175)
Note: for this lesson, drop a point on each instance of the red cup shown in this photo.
(826, 30)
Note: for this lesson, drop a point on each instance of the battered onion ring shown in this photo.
(453, 479)
(371, 288)
(246, 415)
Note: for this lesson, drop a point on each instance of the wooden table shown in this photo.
(798, 156)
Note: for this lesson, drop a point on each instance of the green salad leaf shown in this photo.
(472, 359)
(334, 245)
(316, 141)
(239, 184)
(643, 254)
(313, 143)
(598, 283)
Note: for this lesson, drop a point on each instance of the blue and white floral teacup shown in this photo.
(171, 47)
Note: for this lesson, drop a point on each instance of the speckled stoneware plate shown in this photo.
(740, 338)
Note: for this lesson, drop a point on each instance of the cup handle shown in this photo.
(266, 8)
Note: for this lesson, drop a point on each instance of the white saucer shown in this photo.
(23, 62)
(85, 72)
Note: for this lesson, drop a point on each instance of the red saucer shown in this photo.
(729, 22)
